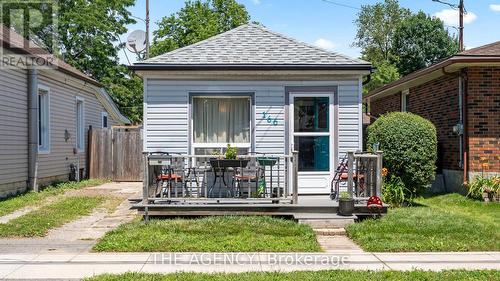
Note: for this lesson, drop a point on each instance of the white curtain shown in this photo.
(221, 120)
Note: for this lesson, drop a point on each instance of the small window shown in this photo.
(80, 124)
(104, 119)
(404, 100)
(43, 119)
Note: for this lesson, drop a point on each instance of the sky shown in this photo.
(330, 23)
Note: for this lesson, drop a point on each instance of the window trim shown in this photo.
(80, 149)
(104, 114)
(404, 95)
(194, 145)
(45, 149)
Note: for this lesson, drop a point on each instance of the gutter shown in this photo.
(159, 66)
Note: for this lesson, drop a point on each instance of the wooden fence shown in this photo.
(115, 154)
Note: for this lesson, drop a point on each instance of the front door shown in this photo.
(311, 134)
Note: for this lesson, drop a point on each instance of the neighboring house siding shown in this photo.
(167, 112)
(14, 131)
(483, 100)
(55, 164)
(437, 101)
(386, 104)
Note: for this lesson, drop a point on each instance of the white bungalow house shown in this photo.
(259, 91)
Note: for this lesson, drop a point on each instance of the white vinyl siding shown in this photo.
(167, 117)
(349, 117)
(13, 131)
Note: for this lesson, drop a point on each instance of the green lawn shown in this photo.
(454, 275)
(448, 222)
(12, 204)
(38, 222)
(211, 234)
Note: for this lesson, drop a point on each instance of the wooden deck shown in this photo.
(315, 207)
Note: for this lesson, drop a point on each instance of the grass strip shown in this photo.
(40, 221)
(452, 275)
(211, 234)
(448, 222)
(11, 204)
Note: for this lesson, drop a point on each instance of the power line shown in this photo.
(341, 4)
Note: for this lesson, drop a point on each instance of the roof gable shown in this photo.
(251, 44)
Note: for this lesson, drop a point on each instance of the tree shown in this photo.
(385, 73)
(376, 26)
(419, 41)
(197, 21)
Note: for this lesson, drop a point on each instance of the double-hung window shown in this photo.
(80, 124)
(43, 119)
(104, 119)
(219, 121)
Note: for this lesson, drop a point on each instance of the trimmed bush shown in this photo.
(409, 144)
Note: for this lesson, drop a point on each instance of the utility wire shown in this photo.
(124, 51)
(341, 4)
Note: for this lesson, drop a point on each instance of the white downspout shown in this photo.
(32, 129)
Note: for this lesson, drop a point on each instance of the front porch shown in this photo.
(307, 206)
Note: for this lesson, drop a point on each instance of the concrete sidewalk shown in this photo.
(76, 266)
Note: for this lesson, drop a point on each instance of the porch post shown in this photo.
(295, 186)
(379, 173)
(350, 171)
(145, 185)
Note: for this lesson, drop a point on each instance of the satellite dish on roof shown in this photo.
(136, 41)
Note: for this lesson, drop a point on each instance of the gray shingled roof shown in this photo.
(251, 45)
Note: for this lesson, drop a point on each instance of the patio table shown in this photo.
(219, 167)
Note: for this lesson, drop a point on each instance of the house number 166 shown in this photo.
(269, 119)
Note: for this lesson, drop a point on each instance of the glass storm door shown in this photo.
(312, 136)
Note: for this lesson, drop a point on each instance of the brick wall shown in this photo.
(385, 104)
(483, 117)
(437, 101)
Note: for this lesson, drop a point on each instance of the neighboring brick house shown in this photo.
(461, 96)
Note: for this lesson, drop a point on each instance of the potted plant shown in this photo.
(229, 159)
(346, 204)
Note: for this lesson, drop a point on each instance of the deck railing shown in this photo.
(202, 179)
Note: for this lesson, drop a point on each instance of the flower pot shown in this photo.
(486, 197)
(226, 163)
(346, 206)
(267, 161)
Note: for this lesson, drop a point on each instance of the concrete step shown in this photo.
(330, 231)
(324, 221)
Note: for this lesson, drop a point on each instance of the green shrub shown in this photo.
(394, 191)
(409, 144)
(480, 185)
